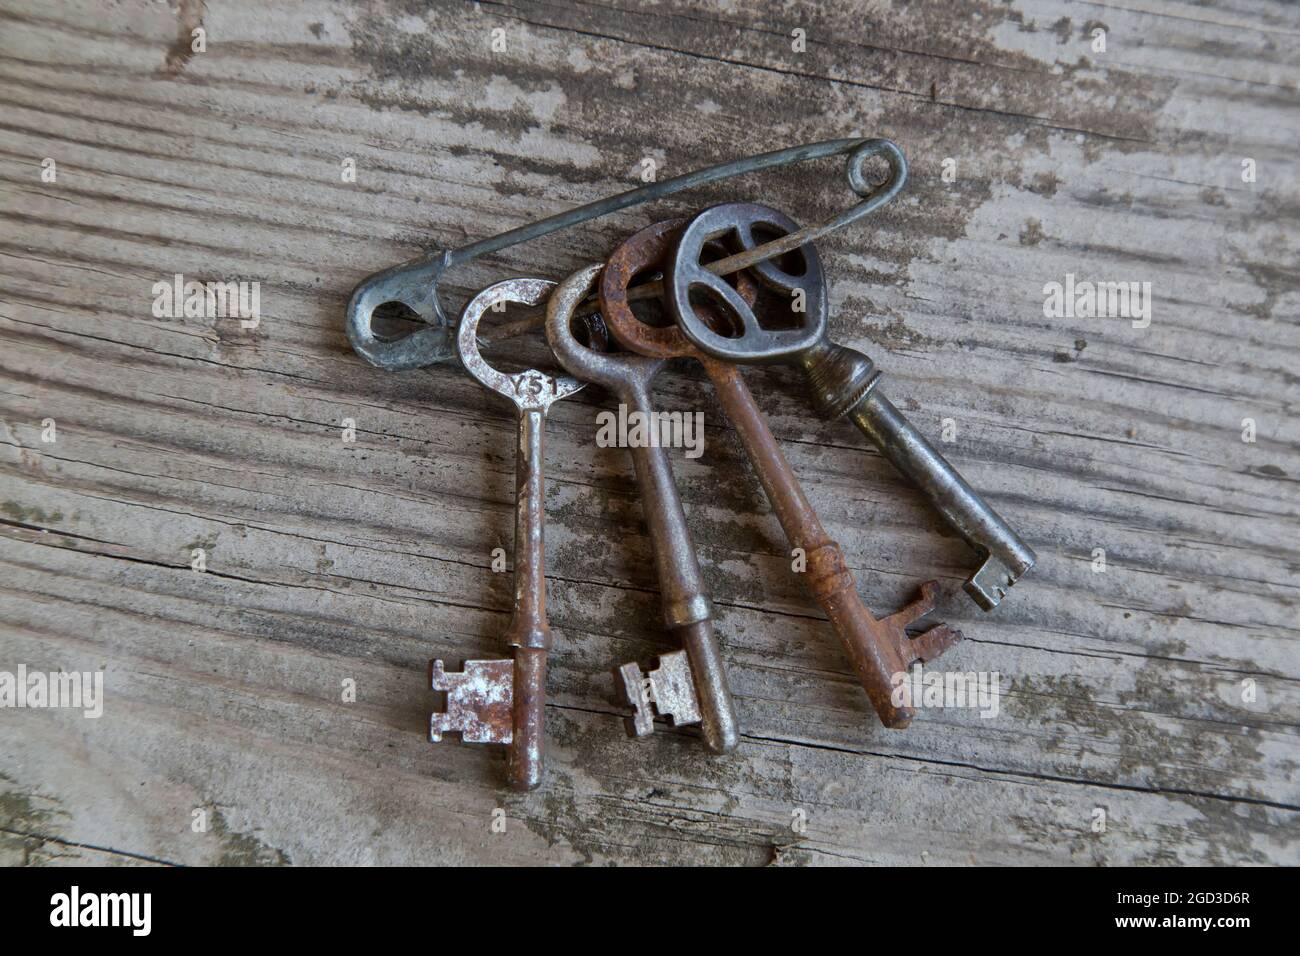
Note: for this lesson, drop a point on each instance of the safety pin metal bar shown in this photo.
(415, 284)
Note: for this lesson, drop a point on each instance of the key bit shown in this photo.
(668, 691)
(480, 701)
(988, 586)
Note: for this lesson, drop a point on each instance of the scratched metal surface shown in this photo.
(332, 562)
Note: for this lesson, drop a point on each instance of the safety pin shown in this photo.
(415, 284)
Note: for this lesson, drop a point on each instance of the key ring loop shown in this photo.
(415, 284)
(529, 389)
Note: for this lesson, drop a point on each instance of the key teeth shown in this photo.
(437, 675)
(932, 643)
(437, 681)
(917, 608)
(632, 679)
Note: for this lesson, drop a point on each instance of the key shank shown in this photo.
(688, 612)
(1005, 556)
(529, 635)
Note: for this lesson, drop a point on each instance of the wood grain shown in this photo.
(330, 561)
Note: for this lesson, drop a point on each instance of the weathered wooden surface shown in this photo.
(330, 561)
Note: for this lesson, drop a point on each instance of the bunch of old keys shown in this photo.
(742, 284)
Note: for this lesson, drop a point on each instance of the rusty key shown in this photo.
(503, 702)
(878, 648)
(689, 685)
(842, 381)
